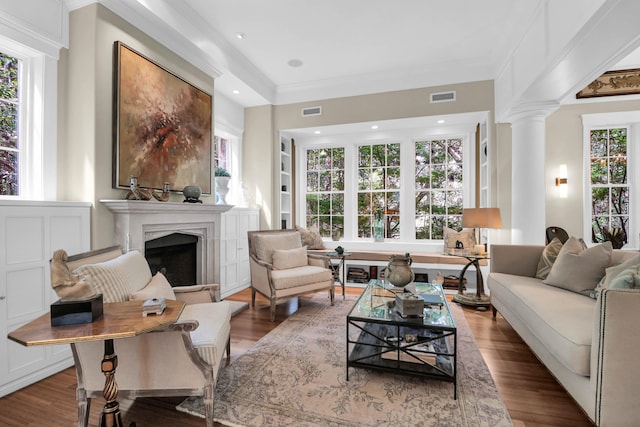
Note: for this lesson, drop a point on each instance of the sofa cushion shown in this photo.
(562, 321)
(466, 237)
(214, 320)
(158, 287)
(311, 238)
(294, 277)
(265, 244)
(579, 270)
(548, 257)
(289, 258)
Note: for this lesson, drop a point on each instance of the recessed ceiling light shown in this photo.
(441, 121)
(235, 92)
(295, 63)
(240, 36)
(374, 127)
(317, 132)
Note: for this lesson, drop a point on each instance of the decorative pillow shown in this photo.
(158, 287)
(548, 257)
(577, 269)
(117, 278)
(265, 244)
(466, 237)
(611, 273)
(311, 238)
(627, 279)
(284, 259)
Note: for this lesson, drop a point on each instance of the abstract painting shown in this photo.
(162, 126)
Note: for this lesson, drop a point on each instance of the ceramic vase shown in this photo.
(222, 188)
(399, 272)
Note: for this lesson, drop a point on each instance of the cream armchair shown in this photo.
(281, 267)
(182, 360)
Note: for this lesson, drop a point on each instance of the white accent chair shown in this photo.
(281, 267)
(182, 360)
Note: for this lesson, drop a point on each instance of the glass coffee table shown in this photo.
(380, 338)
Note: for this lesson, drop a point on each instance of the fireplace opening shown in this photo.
(175, 256)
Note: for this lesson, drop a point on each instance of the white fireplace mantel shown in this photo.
(138, 221)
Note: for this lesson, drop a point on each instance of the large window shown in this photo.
(379, 189)
(325, 189)
(402, 189)
(9, 135)
(609, 185)
(438, 187)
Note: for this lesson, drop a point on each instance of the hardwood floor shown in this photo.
(531, 394)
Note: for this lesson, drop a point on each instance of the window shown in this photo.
(379, 189)
(438, 187)
(325, 189)
(394, 187)
(221, 158)
(609, 184)
(9, 120)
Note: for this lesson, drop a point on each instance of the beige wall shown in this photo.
(564, 144)
(470, 97)
(86, 91)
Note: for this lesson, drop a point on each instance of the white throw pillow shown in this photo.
(577, 269)
(284, 259)
(158, 287)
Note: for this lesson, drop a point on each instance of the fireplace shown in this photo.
(175, 256)
(139, 221)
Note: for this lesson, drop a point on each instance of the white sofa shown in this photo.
(182, 360)
(591, 346)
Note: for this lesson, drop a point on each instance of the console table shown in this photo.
(119, 320)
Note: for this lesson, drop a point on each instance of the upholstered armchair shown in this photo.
(182, 360)
(281, 267)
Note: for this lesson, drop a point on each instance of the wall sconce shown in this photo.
(561, 181)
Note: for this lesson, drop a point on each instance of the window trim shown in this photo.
(630, 120)
(407, 139)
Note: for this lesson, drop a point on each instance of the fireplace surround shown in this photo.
(139, 221)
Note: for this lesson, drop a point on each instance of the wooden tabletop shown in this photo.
(119, 320)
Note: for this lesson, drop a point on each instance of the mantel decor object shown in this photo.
(192, 194)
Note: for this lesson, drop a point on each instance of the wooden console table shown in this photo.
(119, 320)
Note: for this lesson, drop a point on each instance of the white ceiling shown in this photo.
(345, 47)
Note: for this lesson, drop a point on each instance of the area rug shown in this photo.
(295, 376)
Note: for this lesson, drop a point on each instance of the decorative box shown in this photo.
(75, 312)
(409, 304)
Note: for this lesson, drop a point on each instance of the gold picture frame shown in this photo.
(612, 83)
(162, 126)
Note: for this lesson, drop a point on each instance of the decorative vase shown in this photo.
(399, 272)
(222, 188)
(339, 250)
(192, 194)
(378, 230)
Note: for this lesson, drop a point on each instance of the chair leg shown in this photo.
(208, 408)
(84, 407)
(229, 348)
(332, 295)
(273, 310)
(253, 297)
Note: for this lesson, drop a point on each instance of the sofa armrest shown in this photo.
(615, 371)
(318, 260)
(520, 260)
(196, 294)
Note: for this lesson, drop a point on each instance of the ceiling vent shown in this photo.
(311, 111)
(443, 97)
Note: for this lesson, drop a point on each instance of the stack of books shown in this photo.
(357, 275)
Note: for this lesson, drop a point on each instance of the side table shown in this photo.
(119, 320)
(336, 268)
(479, 299)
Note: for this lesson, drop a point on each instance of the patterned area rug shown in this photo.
(295, 376)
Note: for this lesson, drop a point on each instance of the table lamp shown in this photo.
(481, 218)
(477, 218)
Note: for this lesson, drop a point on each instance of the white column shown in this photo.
(528, 190)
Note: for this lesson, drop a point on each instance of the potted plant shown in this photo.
(222, 177)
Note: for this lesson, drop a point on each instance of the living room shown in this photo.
(535, 123)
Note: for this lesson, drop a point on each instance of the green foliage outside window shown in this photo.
(438, 187)
(325, 189)
(609, 185)
(379, 188)
(9, 108)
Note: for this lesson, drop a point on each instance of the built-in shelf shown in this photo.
(286, 182)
